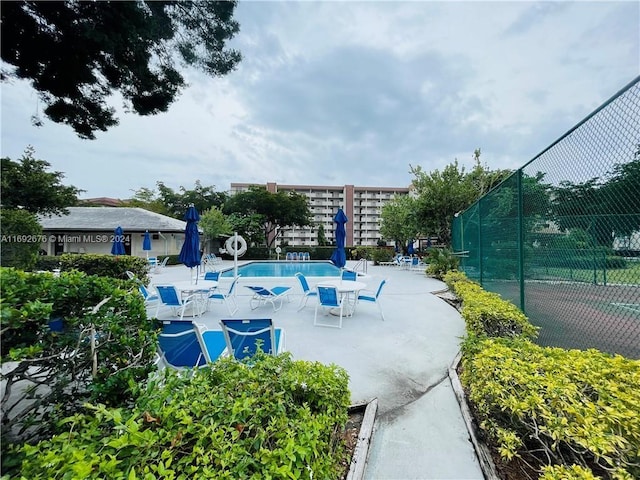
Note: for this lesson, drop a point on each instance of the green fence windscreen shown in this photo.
(560, 238)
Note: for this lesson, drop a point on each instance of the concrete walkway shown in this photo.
(403, 361)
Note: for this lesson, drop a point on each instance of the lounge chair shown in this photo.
(328, 298)
(262, 295)
(150, 298)
(169, 297)
(212, 342)
(179, 348)
(229, 298)
(306, 291)
(244, 336)
(373, 297)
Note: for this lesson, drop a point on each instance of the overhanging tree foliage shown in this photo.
(399, 222)
(77, 54)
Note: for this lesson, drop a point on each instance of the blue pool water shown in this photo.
(285, 269)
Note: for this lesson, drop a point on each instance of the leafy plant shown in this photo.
(441, 261)
(564, 407)
(97, 264)
(271, 418)
(102, 353)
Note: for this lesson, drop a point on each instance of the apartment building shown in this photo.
(362, 205)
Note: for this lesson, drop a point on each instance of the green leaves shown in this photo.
(274, 418)
(574, 405)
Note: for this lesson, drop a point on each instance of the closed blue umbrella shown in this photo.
(190, 252)
(410, 249)
(339, 257)
(117, 247)
(146, 242)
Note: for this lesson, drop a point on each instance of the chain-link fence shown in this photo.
(561, 237)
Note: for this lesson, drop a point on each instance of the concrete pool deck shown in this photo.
(403, 362)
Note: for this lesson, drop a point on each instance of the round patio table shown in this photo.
(346, 288)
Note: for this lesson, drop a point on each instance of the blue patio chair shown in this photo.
(212, 342)
(306, 291)
(328, 298)
(349, 275)
(229, 298)
(169, 297)
(212, 276)
(244, 336)
(289, 256)
(262, 295)
(417, 265)
(150, 298)
(373, 297)
(179, 347)
(306, 256)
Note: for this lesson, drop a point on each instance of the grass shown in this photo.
(629, 275)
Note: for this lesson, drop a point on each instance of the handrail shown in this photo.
(362, 263)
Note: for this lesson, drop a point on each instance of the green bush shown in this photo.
(441, 261)
(382, 254)
(99, 355)
(270, 418)
(562, 406)
(486, 313)
(97, 264)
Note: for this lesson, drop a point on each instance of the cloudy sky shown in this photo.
(336, 93)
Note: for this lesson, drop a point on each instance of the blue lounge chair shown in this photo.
(306, 290)
(373, 297)
(212, 342)
(244, 336)
(178, 347)
(328, 298)
(262, 295)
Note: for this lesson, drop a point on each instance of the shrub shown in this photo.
(97, 264)
(100, 355)
(487, 314)
(561, 406)
(270, 418)
(382, 254)
(441, 261)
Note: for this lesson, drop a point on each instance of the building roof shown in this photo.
(102, 201)
(108, 218)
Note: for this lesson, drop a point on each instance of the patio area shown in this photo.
(419, 431)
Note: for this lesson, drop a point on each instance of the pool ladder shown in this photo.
(361, 266)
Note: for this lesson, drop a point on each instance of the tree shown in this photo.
(322, 238)
(175, 204)
(399, 222)
(276, 211)
(440, 195)
(77, 54)
(604, 209)
(214, 223)
(21, 238)
(28, 185)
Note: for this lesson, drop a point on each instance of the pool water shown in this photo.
(285, 269)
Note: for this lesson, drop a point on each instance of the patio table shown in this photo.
(346, 288)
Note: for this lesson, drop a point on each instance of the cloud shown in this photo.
(355, 92)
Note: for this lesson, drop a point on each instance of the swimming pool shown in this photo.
(285, 269)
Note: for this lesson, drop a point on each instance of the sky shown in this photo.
(337, 93)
